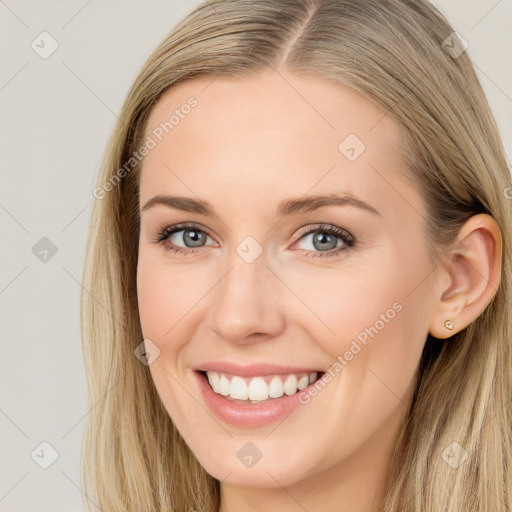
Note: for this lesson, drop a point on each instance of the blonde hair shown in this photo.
(390, 51)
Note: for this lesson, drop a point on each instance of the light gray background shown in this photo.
(56, 115)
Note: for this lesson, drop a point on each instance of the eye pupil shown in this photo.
(195, 239)
(322, 238)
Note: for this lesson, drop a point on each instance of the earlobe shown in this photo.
(473, 270)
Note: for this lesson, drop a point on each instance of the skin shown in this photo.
(249, 144)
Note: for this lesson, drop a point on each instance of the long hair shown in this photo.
(399, 54)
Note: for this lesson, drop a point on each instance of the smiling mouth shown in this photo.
(258, 389)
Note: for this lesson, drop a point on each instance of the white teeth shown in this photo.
(303, 382)
(290, 385)
(275, 388)
(214, 380)
(224, 385)
(259, 389)
(238, 389)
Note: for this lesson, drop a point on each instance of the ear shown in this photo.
(470, 276)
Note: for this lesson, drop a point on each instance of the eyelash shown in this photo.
(162, 236)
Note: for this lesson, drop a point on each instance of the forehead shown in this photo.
(275, 135)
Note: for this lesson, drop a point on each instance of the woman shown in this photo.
(297, 285)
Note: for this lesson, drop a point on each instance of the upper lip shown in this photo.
(252, 370)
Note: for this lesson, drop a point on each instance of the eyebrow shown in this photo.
(286, 207)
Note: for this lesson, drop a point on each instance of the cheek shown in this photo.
(164, 296)
(154, 301)
(160, 304)
(374, 322)
(172, 303)
(337, 306)
(163, 303)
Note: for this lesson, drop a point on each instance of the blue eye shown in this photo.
(191, 234)
(327, 237)
(323, 237)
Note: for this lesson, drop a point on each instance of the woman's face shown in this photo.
(266, 295)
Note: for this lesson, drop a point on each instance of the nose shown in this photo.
(247, 303)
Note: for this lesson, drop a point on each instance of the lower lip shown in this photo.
(248, 415)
